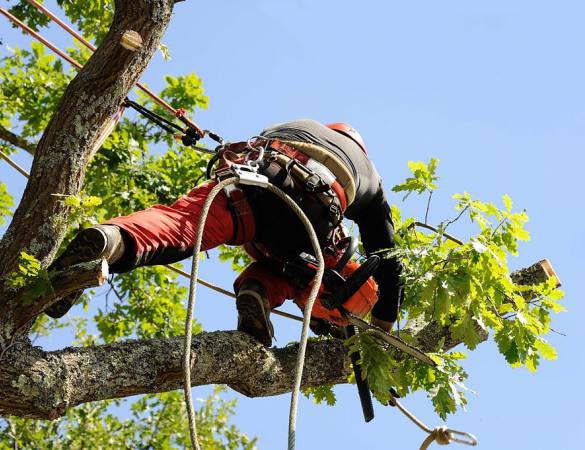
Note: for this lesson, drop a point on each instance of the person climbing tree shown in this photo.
(324, 168)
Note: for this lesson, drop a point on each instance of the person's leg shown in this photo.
(157, 235)
(260, 288)
(165, 234)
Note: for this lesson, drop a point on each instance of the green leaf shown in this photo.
(507, 202)
(546, 350)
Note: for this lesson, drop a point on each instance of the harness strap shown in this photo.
(306, 160)
(243, 217)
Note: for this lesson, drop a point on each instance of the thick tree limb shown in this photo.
(34, 383)
(17, 141)
(90, 100)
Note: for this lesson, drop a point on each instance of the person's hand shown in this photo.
(385, 325)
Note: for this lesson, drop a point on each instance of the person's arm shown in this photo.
(377, 233)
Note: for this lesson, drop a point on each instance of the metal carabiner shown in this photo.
(470, 440)
(260, 149)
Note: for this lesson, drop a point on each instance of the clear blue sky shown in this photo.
(494, 89)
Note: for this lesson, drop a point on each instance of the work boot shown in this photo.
(254, 312)
(97, 242)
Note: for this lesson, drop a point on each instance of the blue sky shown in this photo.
(495, 90)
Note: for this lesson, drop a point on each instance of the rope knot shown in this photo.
(442, 435)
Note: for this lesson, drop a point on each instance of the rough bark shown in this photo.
(91, 99)
(34, 383)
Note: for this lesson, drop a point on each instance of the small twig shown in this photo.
(116, 293)
(5, 349)
(558, 332)
(449, 222)
(8, 136)
(428, 205)
(502, 222)
(431, 228)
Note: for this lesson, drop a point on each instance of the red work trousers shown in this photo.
(165, 234)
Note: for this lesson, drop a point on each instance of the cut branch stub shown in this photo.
(536, 274)
(131, 40)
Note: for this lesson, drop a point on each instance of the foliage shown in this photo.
(321, 394)
(30, 277)
(137, 166)
(423, 179)
(155, 421)
(466, 287)
(6, 202)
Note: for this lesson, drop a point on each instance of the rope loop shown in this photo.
(445, 436)
(441, 435)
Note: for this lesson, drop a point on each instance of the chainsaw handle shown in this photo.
(347, 254)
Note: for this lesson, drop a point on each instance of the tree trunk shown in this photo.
(90, 100)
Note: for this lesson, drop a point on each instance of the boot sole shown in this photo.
(252, 319)
(86, 246)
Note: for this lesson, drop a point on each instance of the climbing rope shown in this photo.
(441, 434)
(306, 319)
(176, 112)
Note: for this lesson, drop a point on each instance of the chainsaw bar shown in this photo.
(394, 341)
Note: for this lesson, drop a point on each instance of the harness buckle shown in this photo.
(249, 175)
(334, 209)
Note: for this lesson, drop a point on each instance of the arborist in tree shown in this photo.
(325, 169)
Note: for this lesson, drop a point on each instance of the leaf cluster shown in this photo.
(156, 421)
(464, 287)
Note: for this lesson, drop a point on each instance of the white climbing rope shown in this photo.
(306, 316)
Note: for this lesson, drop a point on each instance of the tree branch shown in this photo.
(90, 100)
(34, 383)
(17, 141)
(39, 384)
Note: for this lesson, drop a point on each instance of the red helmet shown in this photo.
(350, 132)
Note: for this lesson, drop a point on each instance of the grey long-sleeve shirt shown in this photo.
(369, 210)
